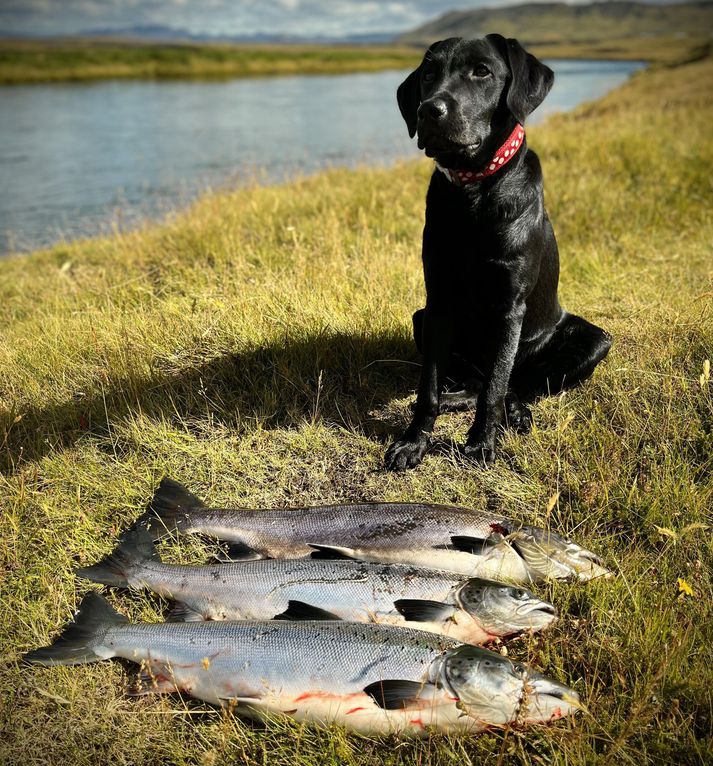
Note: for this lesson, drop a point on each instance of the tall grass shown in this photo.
(258, 348)
(93, 59)
(50, 61)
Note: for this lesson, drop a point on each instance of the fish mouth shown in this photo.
(589, 566)
(535, 615)
(549, 556)
(548, 700)
(536, 606)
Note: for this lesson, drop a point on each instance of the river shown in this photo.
(79, 159)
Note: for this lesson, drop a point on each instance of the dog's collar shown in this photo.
(503, 155)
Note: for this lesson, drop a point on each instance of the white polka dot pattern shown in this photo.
(503, 155)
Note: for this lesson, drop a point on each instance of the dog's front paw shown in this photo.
(404, 453)
(480, 452)
(518, 416)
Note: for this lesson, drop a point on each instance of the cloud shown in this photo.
(334, 18)
(226, 17)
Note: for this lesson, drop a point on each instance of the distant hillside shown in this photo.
(555, 23)
(160, 33)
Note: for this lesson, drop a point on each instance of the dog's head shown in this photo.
(467, 95)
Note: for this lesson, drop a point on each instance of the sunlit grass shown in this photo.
(55, 60)
(76, 60)
(258, 349)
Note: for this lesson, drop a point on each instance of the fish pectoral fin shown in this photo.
(155, 678)
(396, 694)
(471, 544)
(423, 610)
(254, 700)
(331, 552)
(238, 552)
(183, 613)
(299, 610)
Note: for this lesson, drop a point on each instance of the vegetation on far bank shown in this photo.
(258, 348)
(95, 59)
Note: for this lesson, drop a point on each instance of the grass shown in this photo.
(581, 23)
(257, 348)
(53, 61)
(72, 60)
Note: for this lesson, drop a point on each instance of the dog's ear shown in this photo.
(530, 79)
(408, 94)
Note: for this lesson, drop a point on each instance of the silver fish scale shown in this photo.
(261, 589)
(335, 656)
(353, 525)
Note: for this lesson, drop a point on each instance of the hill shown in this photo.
(557, 23)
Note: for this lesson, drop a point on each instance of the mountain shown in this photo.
(542, 23)
(159, 33)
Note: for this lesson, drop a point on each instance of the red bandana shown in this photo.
(503, 155)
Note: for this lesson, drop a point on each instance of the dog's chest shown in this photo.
(472, 251)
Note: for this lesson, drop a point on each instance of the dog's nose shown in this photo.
(435, 108)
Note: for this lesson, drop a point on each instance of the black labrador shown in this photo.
(493, 334)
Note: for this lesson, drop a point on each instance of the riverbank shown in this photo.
(258, 348)
(93, 59)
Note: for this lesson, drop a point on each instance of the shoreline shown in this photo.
(28, 62)
(133, 217)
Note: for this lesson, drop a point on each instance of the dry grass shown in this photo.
(24, 61)
(258, 349)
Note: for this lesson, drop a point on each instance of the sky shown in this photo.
(332, 18)
(221, 17)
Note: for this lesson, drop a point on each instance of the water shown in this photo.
(78, 159)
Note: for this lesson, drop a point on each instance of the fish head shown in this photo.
(486, 685)
(502, 610)
(496, 691)
(549, 556)
(546, 699)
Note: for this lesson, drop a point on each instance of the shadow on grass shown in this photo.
(337, 377)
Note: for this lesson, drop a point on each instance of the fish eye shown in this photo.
(519, 594)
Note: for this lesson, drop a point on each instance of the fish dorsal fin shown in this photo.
(183, 613)
(395, 694)
(299, 610)
(423, 610)
(472, 544)
(331, 552)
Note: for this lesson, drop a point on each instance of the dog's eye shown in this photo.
(428, 76)
(481, 71)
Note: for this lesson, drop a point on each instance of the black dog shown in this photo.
(492, 327)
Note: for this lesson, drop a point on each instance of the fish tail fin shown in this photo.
(134, 548)
(81, 640)
(169, 509)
